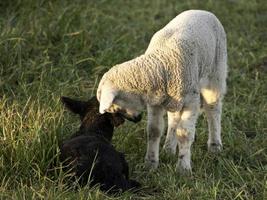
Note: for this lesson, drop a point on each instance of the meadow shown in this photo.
(53, 48)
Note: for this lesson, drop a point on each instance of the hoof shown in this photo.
(169, 149)
(184, 168)
(151, 164)
(215, 147)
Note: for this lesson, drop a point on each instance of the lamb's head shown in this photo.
(89, 115)
(114, 100)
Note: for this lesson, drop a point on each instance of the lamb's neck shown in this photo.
(104, 129)
(143, 74)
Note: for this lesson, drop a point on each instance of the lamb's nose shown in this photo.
(137, 118)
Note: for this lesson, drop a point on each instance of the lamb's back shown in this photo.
(193, 29)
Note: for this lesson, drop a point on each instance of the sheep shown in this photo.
(184, 66)
(89, 153)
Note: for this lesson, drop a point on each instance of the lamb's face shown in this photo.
(128, 105)
(114, 101)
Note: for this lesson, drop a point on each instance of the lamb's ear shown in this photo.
(75, 106)
(106, 100)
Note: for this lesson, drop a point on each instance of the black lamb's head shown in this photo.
(91, 119)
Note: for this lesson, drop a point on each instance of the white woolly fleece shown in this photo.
(180, 57)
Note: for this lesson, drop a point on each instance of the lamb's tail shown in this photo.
(220, 73)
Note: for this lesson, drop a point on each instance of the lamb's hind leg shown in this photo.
(213, 92)
(213, 107)
(155, 128)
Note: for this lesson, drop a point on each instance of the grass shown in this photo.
(54, 48)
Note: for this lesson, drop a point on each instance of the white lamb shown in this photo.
(185, 65)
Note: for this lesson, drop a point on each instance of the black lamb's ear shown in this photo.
(75, 106)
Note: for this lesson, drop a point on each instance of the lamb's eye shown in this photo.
(113, 108)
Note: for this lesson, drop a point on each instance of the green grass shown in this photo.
(54, 48)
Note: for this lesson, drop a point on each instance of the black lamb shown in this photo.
(89, 153)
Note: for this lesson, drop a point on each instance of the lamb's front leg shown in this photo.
(171, 138)
(185, 133)
(155, 128)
